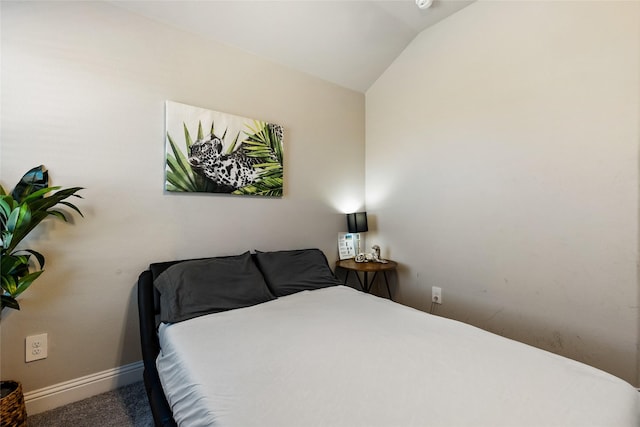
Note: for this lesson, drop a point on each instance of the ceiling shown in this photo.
(348, 42)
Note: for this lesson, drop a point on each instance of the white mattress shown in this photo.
(339, 357)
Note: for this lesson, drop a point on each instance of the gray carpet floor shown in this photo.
(123, 407)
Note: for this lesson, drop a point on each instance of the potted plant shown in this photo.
(30, 202)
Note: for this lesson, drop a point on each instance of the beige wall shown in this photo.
(502, 166)
(83, 92)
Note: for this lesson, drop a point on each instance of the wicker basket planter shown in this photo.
(12, 409)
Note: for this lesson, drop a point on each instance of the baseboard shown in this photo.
(80, 388)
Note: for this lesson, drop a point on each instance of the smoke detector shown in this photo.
(424, 4)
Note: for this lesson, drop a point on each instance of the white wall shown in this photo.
(502, 166)
(83, 92)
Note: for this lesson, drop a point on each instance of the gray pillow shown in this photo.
(288, 272)
(194, 288)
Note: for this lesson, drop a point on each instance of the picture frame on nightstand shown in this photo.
(347, 244)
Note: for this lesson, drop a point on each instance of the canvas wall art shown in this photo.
(213, 152)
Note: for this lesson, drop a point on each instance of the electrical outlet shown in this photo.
(436, 295)
(35, 347)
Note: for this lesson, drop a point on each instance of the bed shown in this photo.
(274, 339)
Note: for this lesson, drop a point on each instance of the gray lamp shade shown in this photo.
(357, 222)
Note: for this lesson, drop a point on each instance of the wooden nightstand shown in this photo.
(366, 268)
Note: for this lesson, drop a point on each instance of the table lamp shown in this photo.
(357, 223)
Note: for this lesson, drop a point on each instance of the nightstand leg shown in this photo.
(387, 283)
(346, 277)
(373, 280)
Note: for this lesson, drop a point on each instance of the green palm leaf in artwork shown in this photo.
(264, 144)
(179, 175)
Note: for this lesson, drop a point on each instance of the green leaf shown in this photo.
(231, 148)
(26, 281)
(187, 137)
(179, 164)
(5, 208)
(72, 206)
(200, 133)
(35, 179)
(180, 182)
(39, 194)
(19, 218)
(39, 257)
(9, 302)
(14, 264)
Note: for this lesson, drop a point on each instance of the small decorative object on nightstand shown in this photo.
(366, 268)
(376, 253)
(375, 256)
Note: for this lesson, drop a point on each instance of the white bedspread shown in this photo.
(339, 357)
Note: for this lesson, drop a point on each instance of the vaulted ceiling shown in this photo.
(348, 42)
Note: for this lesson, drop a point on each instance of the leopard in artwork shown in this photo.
(234, 170)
